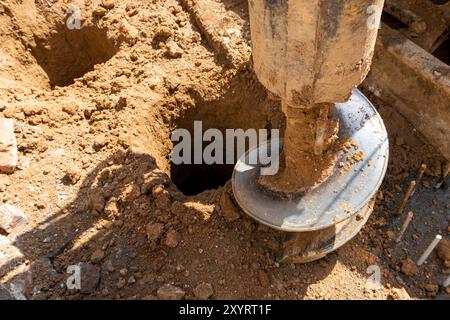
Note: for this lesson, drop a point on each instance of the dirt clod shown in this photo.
(90, 277)
(154, 232)
(99, 11)
(97, 202)
(173, 50)
(97, 256)
(203, 291)
(228, 209)
(172, 239)
(73, 175)
(170, 292)
(263, 278)
(409, 267)
(431, 288)
(443, 250)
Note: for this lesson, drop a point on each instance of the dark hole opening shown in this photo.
(192, 179)
(195, 178)
(245, 105)
(443, 51)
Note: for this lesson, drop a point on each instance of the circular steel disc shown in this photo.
(304, 247)
(337, 199)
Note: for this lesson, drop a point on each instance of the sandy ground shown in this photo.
(93, 111)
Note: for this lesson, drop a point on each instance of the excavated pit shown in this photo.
(66, 54)
(245, 105)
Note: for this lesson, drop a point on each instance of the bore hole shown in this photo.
(244, 106)
(193, 179)
(67, 54)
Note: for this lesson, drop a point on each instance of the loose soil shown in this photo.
(94, 110)
(302, 166)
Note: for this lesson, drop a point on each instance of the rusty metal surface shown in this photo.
(310, 246)
(416, 83)
(336, 199)
(311, 52)
(426, 22)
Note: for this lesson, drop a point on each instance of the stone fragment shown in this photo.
(8, 146)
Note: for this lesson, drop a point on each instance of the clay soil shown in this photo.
(94, 109)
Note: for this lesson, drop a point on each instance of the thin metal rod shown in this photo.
(430, 249)
(446, 282)
(419, 176)
(405, 199)
(405, 225)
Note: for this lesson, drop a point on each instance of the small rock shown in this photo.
(70, 108)
(173, 50)
(263, 278)
(431, 288)
(99, 11)
(203, 291)
(108, 4)
(152, 179)
(111, 208)
(131, 280)
(109, 266)
(121, 283)
(172, 239)
(129, 32)
(409, 267)
(10, 256)
(31, 110)
(11, 218)
(443, 249)
(228, 209)
(170, 292)
(8, 146)
(97, 256)
(90, 277)
(158, 190)
(154, 231)
(123, 272)
(99, 143)
(72, 175)
(390, 234)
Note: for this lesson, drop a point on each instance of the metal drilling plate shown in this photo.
(322, 242)
(341, 196)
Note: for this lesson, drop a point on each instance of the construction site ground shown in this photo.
(94, 109)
